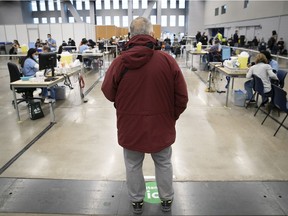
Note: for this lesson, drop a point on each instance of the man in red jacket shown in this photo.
(149, 93)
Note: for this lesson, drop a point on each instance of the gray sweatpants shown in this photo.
(163, 172)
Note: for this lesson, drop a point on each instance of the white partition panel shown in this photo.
(33, 34)
(22, 34)
(10, 33)
(93, 33)
(79, 32)
(250, 33)
(56, 32)
(90, 31)
(44, 29)
(283, 30)
(68, 31)
(2, 34)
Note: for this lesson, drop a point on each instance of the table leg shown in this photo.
(15, 103)
(227, 95)
(232, 87)
(52, 114)
(81, 88)
(192, 67)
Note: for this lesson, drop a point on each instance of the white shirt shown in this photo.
(264, 72)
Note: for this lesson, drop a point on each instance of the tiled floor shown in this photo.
(214, 142)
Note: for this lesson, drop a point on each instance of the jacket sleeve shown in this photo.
(110, 84)
(180, 93)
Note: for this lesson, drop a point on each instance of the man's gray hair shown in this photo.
(140, 25)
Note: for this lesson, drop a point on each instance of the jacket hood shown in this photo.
(139, 51)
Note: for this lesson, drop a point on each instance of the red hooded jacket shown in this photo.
(149, 93)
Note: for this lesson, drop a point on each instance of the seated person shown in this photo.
(29, 68)
(14, 48)
(176, 47)
(262, 45)
(280, 45)
(214, 52)
(82, 48)
(264, 71)
(167, 47)
(273, 63)
(255, 42)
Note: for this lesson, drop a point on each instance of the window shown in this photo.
(135, 4)
(42, 5)
(144, 4)
(181, 20)
(60, 19)
(116, 4)
(125, 4)
(44, 20)
(172, 20)
(107, 20)
(99, 20)
(71, 20)
(155, 6)
(125, 21)
(87, 5)
(164, 20)
(78, 4)
(88, 20)
(153, 19)
(181, 4)
(98, 5)
(164, 4)
(52, 20)
(134, 17)
(223, 9)
(36, 20)
(107, 4)
(58, 5)
(34, 6)
(172, 4)
(116, 21)
(51, 5)
(216, 11)
(246, 2)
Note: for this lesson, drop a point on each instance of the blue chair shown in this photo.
(281, 74)
(259, 90)
(279, 100)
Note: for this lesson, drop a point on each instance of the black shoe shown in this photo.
(137, 207)
(166, 205)
(250, 101)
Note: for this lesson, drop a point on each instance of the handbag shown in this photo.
(35, 110)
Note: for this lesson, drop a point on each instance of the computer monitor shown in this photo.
(226, 53)
(48, 61)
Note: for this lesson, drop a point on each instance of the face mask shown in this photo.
(35, 58)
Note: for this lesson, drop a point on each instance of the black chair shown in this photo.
(279, 100)
(15, 75)
(281, 74)
(259, 90)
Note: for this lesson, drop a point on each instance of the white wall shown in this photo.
(236, 11)
(30, 32)
(195, 17)
(259, 19)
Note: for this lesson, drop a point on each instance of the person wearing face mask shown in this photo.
(29, 68)
(30, 64)
(51, 43)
